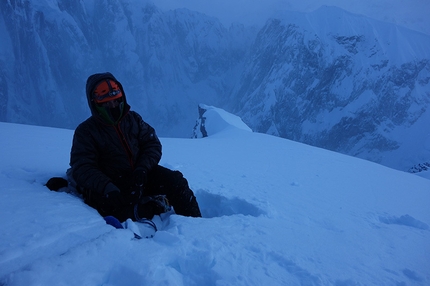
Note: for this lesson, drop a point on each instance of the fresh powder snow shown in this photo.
(275, 212)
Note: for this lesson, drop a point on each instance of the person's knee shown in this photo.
(179, 179)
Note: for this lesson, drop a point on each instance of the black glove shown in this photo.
(138, 182)
(56, 183)
(152, 205)
(112, 199)
(133, 195)
(139, 178)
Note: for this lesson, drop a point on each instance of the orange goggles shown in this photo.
(106, 90)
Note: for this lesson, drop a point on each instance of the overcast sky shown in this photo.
(411, 13)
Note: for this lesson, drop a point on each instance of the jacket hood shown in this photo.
(92, 82)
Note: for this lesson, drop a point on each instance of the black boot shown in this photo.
(173, 184)
(192, 208)
(187, 204)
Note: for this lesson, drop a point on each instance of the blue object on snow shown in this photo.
(113, 221)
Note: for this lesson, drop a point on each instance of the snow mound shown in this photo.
(213, 120)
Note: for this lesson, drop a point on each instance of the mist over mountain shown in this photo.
(167, 62)
(327, 78)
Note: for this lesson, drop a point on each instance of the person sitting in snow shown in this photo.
(114, 159)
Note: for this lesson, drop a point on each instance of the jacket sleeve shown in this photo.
(150, 149)
(83, 161)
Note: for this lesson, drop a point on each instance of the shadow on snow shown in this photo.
(212, 205)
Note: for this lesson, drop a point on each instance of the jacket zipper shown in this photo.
(124, 144)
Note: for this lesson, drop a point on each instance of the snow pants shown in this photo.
(161, 181)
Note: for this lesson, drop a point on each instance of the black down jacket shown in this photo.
(103, 152)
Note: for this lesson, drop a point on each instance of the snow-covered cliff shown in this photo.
(342, 82)
(213, 120)
(168, 62)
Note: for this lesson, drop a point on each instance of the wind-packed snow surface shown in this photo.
(275, 212)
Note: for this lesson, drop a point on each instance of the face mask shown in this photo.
(111, 113)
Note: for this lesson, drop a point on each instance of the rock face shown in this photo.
(168, 62)
(342, 82)
(327, 78)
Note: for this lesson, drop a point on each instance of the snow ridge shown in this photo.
(213, 120)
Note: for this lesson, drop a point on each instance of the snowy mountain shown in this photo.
(341, 82)
(327, 78)
(412, 14)
(275, 212)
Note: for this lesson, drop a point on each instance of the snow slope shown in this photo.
(275, 212)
